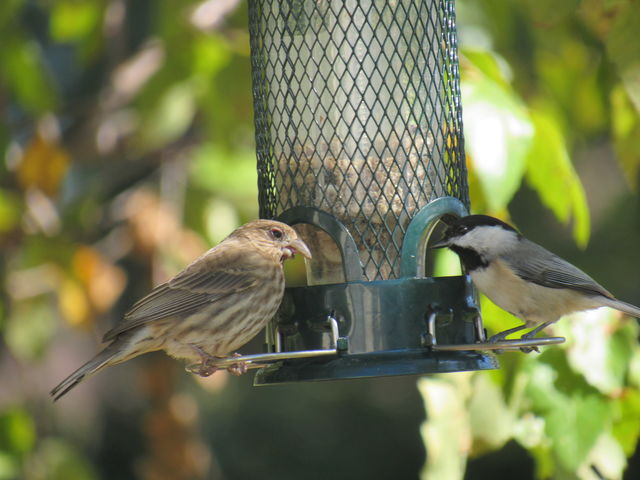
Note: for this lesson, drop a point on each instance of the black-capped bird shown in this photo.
(521, 277)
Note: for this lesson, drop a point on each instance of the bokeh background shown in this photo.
(127, 150)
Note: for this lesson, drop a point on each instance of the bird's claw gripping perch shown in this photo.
(210, 364)
(502, 337)
(239, 368)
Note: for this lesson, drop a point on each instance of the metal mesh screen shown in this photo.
(357, 113)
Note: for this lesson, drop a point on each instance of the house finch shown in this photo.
(211, 308)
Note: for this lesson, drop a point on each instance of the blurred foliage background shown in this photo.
(127, 149)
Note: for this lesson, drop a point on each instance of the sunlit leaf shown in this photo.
(73, 302)
(170, 117)
(626, 420)
(57, 460)
(490, 432)
(607, 457)
(446, 263)
(17, 431)
(599, 349)
(9, 210)
(228, 172)
(495, 318)
(446, 432)
(624, 49)
(545, 462)
(103, 281)
(551, 173)
(29, 329)
(574, 426)
(43, 165)
(9, 466)
(23, 72)
(498, 133)
(575, 414)
(487, 64)
(73, 19)
(221, 219)
(210, 54)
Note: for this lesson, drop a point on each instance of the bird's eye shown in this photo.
(276, 233)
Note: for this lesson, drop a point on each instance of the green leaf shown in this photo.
(624, 49)
(575, 414)
(8, 11)
(57, 460)
(29, 329)
(599, 347)
(498, 133)
(551, 11)
(574, 425)
(490, 432)
(8, 466)
(228, 172)
(625, 123)
(17, 431)
(74, 19)
(170, 117)
(488, 63)
(446, 432)
(21, 68)
(607, 457)
(626, 424)
(551, 173)
(9, 210)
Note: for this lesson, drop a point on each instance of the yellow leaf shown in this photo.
(74, 305)
(43, 165)
(102, 281)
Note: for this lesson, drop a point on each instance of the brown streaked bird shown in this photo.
(208, 310)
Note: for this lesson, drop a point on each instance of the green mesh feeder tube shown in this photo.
(360, 147)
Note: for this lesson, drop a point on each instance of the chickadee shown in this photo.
(522, 277)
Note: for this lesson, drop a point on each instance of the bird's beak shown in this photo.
(298, 246)
(443, 242)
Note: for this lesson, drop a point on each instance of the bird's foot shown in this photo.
(205, 368)
(498, 337)
(502, 336)
(532, 334)
(532, 348)
(239, 368)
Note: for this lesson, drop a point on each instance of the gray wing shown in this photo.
(185, 294)
(538, 265)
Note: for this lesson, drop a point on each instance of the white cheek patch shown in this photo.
(488, 239)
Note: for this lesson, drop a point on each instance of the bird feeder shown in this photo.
(360, 147)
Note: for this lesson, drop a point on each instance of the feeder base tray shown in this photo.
(388, 363)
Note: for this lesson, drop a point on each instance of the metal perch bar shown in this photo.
(503, 345)
(260, 360)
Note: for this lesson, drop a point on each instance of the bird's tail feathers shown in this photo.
(113, 354)
(624, 307)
